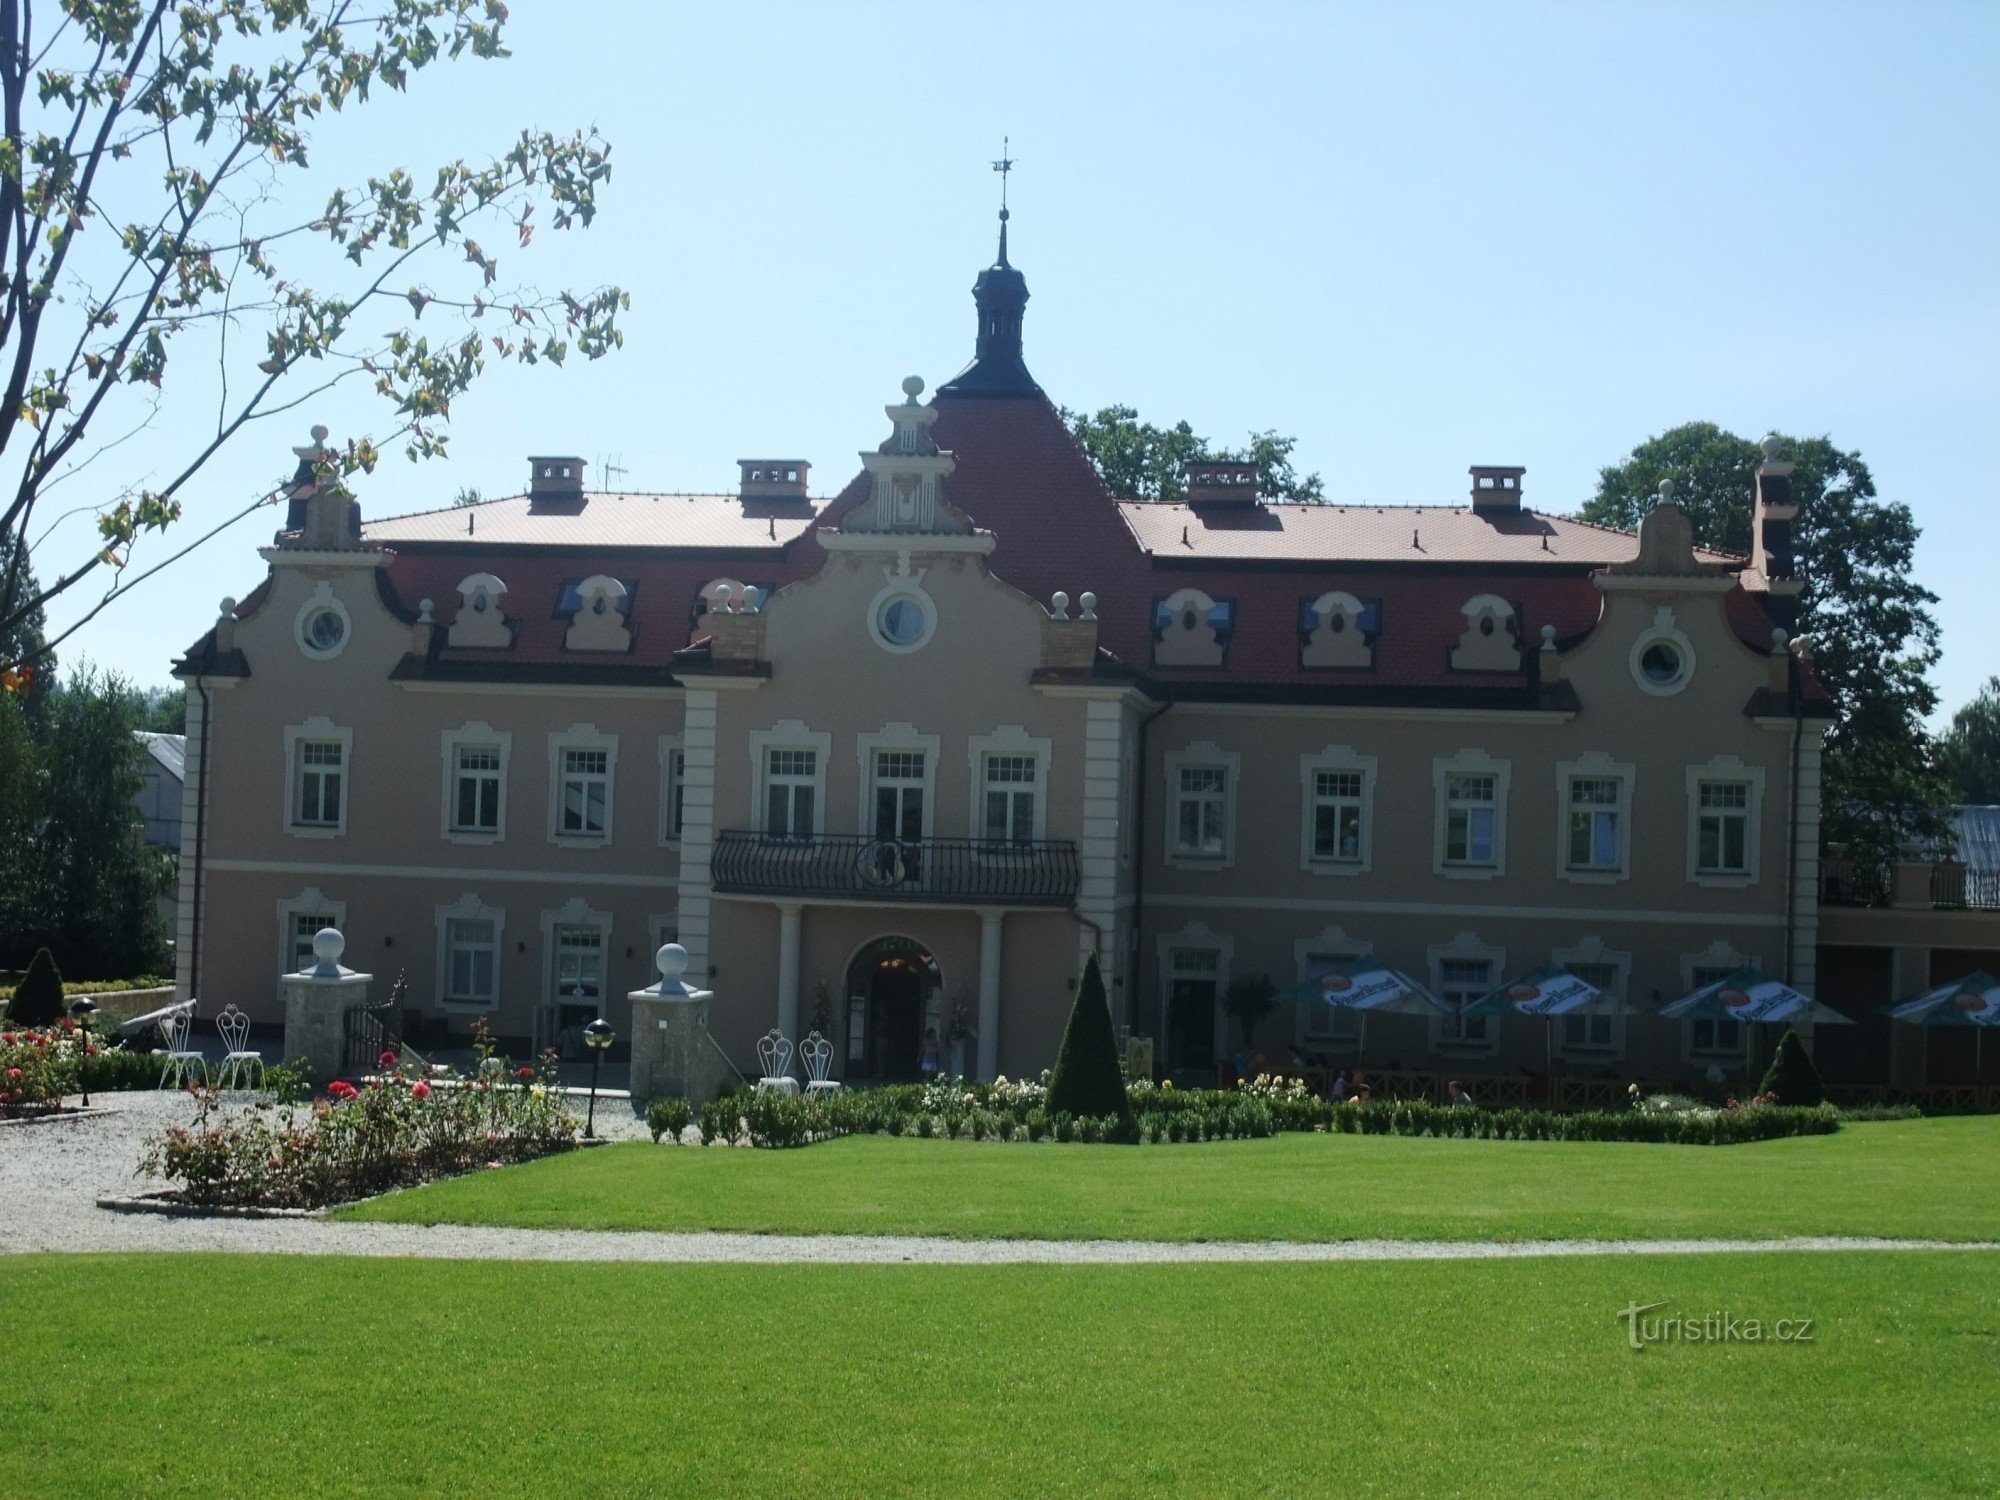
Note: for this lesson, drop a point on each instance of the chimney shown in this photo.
(1213, 483)
(1771, 519)
(1496, 489)
(554, 479)
(773, 478)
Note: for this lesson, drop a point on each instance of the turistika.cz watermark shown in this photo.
(1645, 1324)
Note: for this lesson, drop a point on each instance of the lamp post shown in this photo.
(81, 1009)
(598, 1036)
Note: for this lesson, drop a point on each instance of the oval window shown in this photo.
(1662, 664)
(902, 621)
(325, 629)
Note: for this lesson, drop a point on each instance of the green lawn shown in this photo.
(1936, 1179)
(224, 1375)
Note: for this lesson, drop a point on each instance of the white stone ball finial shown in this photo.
(424, 608)
(227, 607)
(1667, 488)
(319, 432)
(671, 961)
(328, 945)
(1779, 640)
(723, 592)
(913, 387)
(1059, 605)
(1771, 444)
(1088, 602)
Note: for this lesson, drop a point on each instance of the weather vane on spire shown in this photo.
(1003, 166)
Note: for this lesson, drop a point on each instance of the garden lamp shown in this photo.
(81, 1009)
(598, 1036)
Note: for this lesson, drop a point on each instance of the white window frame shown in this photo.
(323, 598)
(788, 734)
(474, 734)
(896, 738)
(1663, 631)
(1466, 948)
(575, 913)
(1336, 758)
(1195, 937)
(1591, 952)
(1008, 739)
(307, 902)
(582, 737)
(1725, 768)
(1595, 766)
(468, 908)
(1469, 762)
(317, 728)
(673, 788)
(1718, 959)
(1201, 755)
(1345, 1025)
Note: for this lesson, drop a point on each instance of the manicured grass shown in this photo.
(1936, 1179)
(331, 1377)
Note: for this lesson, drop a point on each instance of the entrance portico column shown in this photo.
(789, 918)
(989, 993)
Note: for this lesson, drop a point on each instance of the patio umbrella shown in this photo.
(1972, 1001)
(1548, 992)
(1750, 995)
(1365, 987)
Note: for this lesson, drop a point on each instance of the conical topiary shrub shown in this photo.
(1792, 1076)
(1088, 1079)
(38, 998)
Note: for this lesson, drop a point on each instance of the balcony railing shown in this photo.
(1955, 885)
(1042, 873)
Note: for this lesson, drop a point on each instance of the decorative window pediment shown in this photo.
(480, 623)
(1338, 630)
(1190, 629)
(1491, 642)
(598, 610)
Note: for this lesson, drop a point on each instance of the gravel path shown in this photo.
(52, 1174)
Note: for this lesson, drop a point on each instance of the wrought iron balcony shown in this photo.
(1041, 873)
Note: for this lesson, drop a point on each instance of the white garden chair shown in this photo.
(241, 1065)
(816, 1053)
(774, 1057)
(184, 1064)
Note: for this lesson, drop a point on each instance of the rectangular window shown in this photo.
(791, 779)
(476, 789)
(1460, 982)
(1719, 1038)
(675, 791)
(1336, 814)
(586, 792)
(1469, 806)
(1595, 806)
(1201, 825)
(322, 771)
(471, 958)
(1724, 828)
(1010, 798)
(899, 795)
(1591, 1033)
(579, 975)
(304, 927)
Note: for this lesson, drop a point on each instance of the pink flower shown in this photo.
(388, 1059)
(340, 1089)
(13, 1072)
(524, 1072)
(420, 1090)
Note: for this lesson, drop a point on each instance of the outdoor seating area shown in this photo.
(775, 1053)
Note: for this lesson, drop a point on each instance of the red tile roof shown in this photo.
(705, 522)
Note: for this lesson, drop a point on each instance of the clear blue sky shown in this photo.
(1417, 236)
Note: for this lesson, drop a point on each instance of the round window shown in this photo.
(902, 621)
(325, 629)
(1661, 663)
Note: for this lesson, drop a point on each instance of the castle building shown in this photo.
(896, 761)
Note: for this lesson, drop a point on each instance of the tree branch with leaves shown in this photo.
(152, 159)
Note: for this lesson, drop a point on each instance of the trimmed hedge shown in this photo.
(1016, 1112)
(38, 998)
(1088, 1079)
(1792, 1078)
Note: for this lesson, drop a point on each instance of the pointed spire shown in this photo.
(1001, 294)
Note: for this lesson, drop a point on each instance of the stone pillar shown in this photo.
(790, 920)
(672, 1051)
(316, 1004)
(989, 993)
(1913, 884)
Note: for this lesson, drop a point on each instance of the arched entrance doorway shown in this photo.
(892, 990)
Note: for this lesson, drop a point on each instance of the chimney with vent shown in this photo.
(1213, 483)
(1496, 489)
(555, 480)
(773, 478)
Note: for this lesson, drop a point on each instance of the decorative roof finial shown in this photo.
(1003, 166)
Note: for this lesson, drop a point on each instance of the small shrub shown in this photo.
(1792, 1079)
(38, 998)
(669, 1117)
(1088, 1078)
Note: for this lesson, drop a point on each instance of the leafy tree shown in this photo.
(1088, 1079)
(22, 639)
(467, 495)
(1970, 753)
(38, 998)
(1139, 461)
(145, 220)
(75, 876)
(1792, 1076)
(1872, 635)
(1249, 1000)
(164, 711)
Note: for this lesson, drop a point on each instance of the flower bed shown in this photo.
(38, 1065)
(392, 1131)
(1017, 1111)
